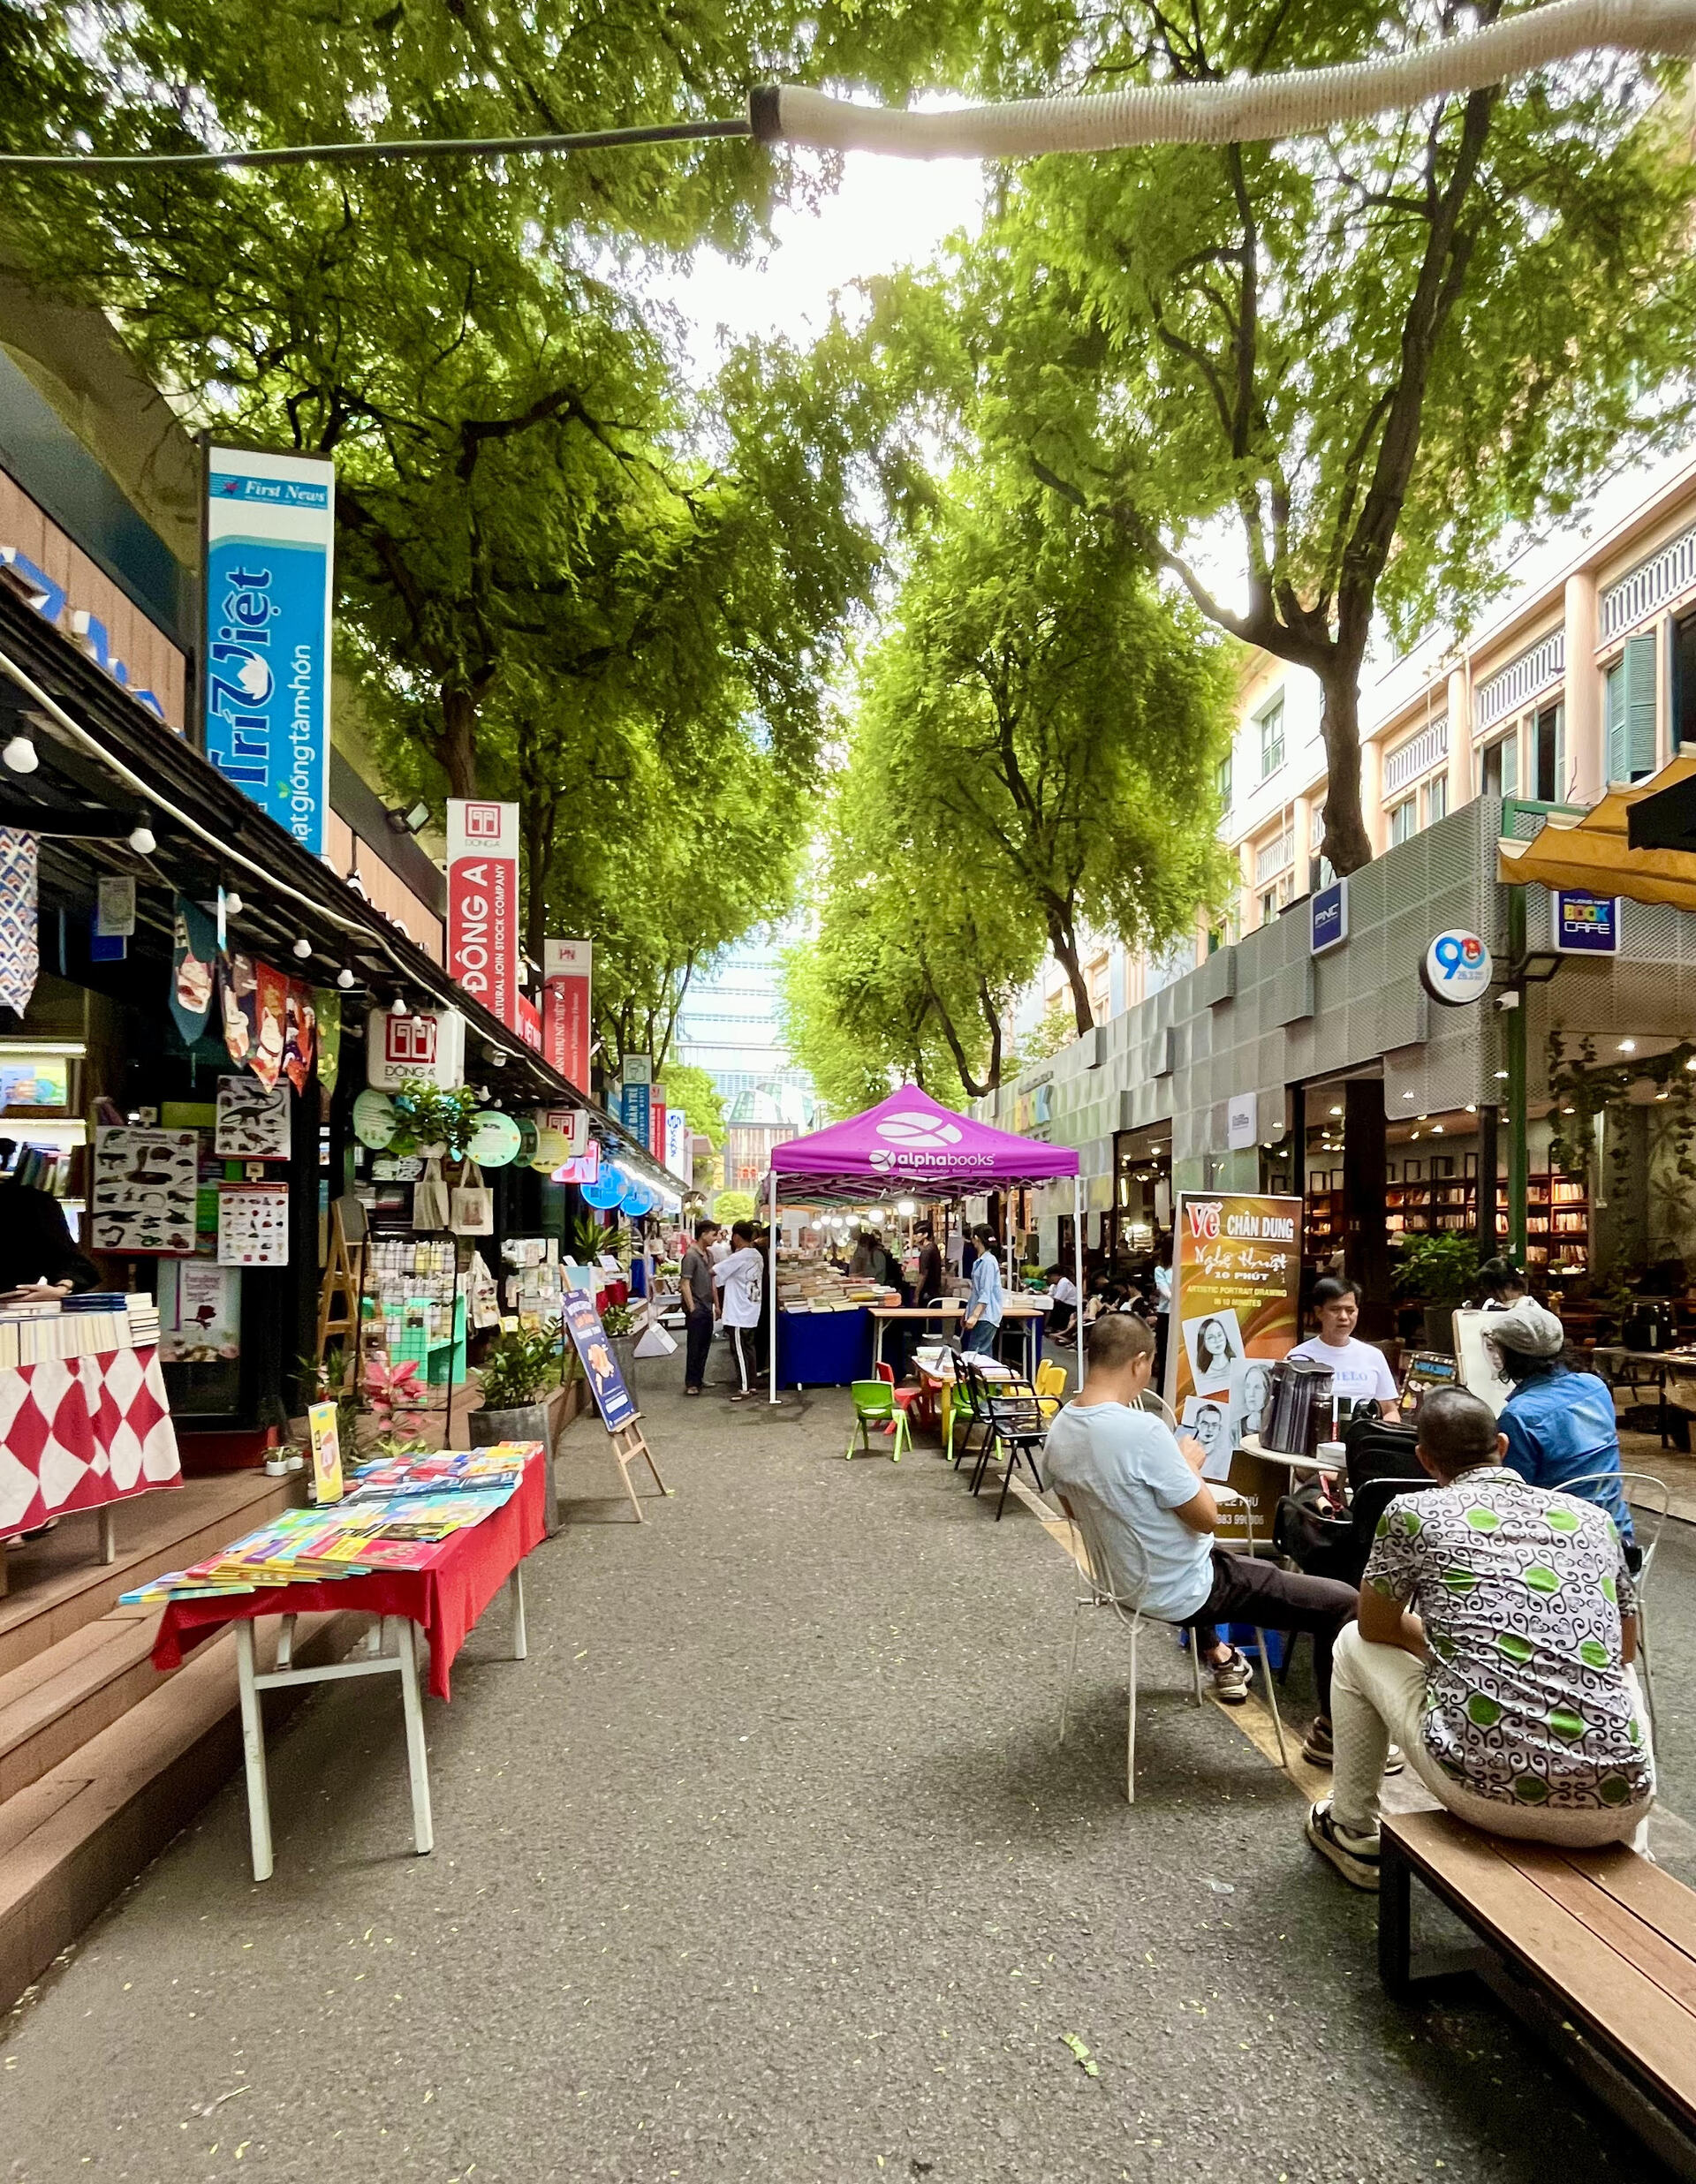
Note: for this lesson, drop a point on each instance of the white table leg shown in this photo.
(520, 1636)
(417, 1759)
(253, 1748)
(286, 1643)
(877, 1345)
(109, 1533)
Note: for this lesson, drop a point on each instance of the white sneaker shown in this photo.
(1354, 1856)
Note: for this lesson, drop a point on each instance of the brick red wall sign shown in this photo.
(483, 903)
(566, 968)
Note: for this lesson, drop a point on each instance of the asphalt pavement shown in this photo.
(765, 1864)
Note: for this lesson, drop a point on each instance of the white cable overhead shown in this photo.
(1248, 110)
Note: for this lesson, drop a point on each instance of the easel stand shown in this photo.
(627, 1446)
(339, 1299)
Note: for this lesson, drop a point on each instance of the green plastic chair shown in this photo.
(875, 1405)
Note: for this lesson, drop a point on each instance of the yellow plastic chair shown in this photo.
(875, 1405)
(1050, 1388)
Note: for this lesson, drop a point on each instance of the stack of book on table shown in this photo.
(32, 1333)
(398, 1514)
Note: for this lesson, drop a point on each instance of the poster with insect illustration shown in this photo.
(252, 1120)
(144, 1189)
(253, 1224)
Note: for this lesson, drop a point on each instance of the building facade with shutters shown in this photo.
(1244, 1059)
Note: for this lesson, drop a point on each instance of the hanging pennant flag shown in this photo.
(238, 1002)
(20, 959)
(194, 968)
(299, 1027)
(327, 1008)
(270, 1011)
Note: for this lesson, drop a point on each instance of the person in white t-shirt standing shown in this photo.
(1360, 1373)
(739, 1279)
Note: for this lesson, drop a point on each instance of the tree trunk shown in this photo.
(457, 747)
(1063, 940)
(1346, 844)
(537, 817)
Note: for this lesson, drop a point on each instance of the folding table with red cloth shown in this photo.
(442, 1600)
(82, 1433)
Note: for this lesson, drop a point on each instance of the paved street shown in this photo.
(766, 1865)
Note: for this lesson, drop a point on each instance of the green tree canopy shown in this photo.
(1356, 359)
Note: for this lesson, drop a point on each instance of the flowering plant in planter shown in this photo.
(395, 1400)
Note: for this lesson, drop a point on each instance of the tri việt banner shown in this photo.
(270, 525)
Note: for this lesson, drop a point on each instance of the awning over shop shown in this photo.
(1597, 850)
(104, 759)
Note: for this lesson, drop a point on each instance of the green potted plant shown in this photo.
(1439, 1272)
(619, 1320)
(427, 1115)
(515, 1374)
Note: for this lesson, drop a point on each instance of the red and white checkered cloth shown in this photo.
(77, 1432)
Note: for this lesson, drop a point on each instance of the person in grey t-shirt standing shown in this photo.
(698, 1309)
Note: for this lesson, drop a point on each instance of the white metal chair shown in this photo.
(1086, 1520)
(1157, 1407)
(1648, 1516)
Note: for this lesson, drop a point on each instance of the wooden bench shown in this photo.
(1595, 1950)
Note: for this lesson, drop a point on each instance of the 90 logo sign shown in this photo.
(1456, 969)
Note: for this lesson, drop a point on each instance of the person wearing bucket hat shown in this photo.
(1559, 1424)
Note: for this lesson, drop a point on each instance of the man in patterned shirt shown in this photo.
(1496, 1633)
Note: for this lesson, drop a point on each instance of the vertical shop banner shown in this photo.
(20, 941)
(270, 527)
(633, 1100)
(656, 1122)
(566, 1041)
(483, 903)
(677, 1142)
(1236, 1307)
(327, 1008)
(529, 1026)
(194, 968)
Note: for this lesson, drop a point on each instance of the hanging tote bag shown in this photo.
(430, 1198)
(471, 1211)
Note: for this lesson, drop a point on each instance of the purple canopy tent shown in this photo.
(910, 1142)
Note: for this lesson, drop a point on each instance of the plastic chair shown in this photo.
(905, 1397)
(875, 1405)
(1656, 1510)
(1051, 1388)
(1086, 1520)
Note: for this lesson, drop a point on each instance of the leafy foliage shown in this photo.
(1357, 357)
(520, 1366)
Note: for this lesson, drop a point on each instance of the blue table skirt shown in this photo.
(823, 1350)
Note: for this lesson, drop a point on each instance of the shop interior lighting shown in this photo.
(142, 839)
(1690, 1065)
(1472, 1106)
(1660, 1095)
(1501, 1074)
(1628, 1045)
(1409, 1095)
(1336, 1110)
(21, 755)
(302, 948)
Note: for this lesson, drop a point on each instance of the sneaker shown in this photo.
(691, 1391)
(1320, 1750)
(1231, 1679)
(1354, 1856)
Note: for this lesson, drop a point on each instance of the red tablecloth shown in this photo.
(447, 1597)
(77, 1432)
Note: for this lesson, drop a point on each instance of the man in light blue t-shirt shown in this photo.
(983, 1307)
(1145, 1490)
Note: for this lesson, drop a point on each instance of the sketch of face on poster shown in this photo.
(1210, 1424)
(1214, 1343)
(1251, 1391)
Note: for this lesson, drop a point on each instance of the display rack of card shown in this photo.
(417, 1287)
(533, 1283)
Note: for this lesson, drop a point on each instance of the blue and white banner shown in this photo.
(270, 525)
